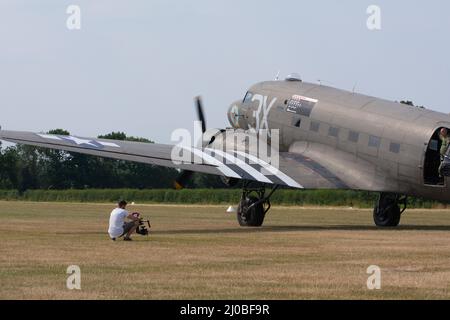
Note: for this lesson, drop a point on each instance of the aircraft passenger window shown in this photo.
(314, 126)
(333, 132)
(353, 136)
(374, 141)
(296, 122)
(248, 97)
(394, 147)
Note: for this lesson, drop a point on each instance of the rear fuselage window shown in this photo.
(333, 132)
(374, 141)
(314, 126)
(353, 136)
(394, 147)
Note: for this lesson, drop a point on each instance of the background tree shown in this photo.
(55, 165)
(8, 168)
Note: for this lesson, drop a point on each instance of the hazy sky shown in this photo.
(135, 66)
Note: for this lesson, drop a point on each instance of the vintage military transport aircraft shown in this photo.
(328, 139)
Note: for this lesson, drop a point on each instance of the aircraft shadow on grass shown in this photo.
(280, 229)
(300, 229)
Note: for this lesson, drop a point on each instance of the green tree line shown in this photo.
(338, 198)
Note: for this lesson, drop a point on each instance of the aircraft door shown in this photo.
(432, 161)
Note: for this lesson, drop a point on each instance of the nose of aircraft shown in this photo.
(235, 116)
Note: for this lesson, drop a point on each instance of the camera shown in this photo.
(142, 228)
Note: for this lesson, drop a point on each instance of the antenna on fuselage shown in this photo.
(277, 77)
(320, 81)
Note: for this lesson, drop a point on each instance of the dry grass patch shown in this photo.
(199, 252)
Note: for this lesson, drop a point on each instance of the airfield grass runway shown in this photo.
(199, 252)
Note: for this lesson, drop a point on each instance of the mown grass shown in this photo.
(346, 198)
(199, 252)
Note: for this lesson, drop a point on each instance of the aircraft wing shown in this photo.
(205, 161)
(307, 167)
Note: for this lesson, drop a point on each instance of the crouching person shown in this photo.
(118, 226)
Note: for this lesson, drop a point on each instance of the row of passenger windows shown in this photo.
(353, 136)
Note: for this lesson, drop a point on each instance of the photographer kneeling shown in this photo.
(118, 227)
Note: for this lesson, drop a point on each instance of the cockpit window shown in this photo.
(248, 97)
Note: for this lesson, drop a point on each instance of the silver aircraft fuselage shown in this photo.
(399, 141)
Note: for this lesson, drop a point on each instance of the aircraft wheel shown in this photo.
(253, 217)
(387, 212)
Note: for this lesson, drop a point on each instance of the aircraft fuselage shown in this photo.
(391, 144)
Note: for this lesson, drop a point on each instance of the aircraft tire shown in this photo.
(254, 217)
(387, 216)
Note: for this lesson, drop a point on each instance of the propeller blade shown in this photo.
(186, 175)
(200, 114)
(182, 179)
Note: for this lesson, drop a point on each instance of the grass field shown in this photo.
(199, 252)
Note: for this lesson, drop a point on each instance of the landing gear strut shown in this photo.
(253, 205)
(387, 211)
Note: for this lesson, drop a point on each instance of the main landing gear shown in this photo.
(387, 211)
(253, 205)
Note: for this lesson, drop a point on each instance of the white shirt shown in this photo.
(116, 221)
